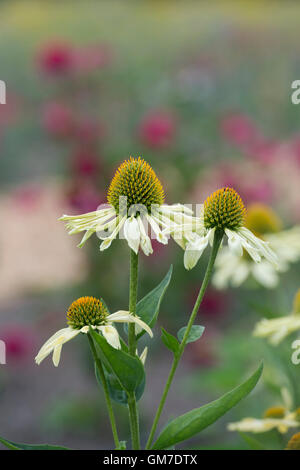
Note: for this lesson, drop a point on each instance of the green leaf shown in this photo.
(195, 333)
(170, 341)
(148, 307)
(127, 369)
(191, 423)
(116, 392)
(17, 446)
(253, 443)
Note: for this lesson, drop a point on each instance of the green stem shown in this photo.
(106, 393)
(216, 244)
(132, 407)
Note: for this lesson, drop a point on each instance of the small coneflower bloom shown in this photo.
(274, 418)
(135, 199)
(276, 329)
(233, 270)
(224, 211)
(85, 313)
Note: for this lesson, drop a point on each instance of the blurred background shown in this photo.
(202, 91)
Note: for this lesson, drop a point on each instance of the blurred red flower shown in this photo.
(89, 129)
(214, 304)
(238, 129)
(92, 57)
(58, 119)
(19, 343)
(84, 197)
(157, 129)
(85, 162)
(56, 59)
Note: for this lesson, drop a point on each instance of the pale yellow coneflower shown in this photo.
(85, 313)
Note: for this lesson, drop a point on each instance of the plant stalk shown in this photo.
(216, 244)
(132, 406)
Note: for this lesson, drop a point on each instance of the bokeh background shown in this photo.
(202, 91)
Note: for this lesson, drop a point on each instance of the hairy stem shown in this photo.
(216, 244)
(132, 406)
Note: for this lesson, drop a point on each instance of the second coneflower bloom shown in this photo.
(83, 314)
(135, 200)
(224, 211)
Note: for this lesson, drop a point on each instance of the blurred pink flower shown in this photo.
(19, 342)
(88, 129)
(56, 59)
(84, 197)
(263, 150)
(238, 129)
(202, 353)
(215, 303)
(27, 197)
(92, 57)
(157, 129)
(58, 119)
(85, 162)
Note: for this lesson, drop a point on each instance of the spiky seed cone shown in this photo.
(224, 209)
(136, 180)
(86, 311)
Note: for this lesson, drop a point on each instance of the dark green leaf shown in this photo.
(127, 369)
(17, 446)
(191, 423)
(170, 341)
(195, 333)
(116, 392)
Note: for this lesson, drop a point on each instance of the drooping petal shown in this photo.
(132, 233)
(58, 339)
(194, 250)
(111, 335)
(145, 240)
(234, 242)
(56, 354)
(108, 241)
(157, 231)
(265, 274)
(143, 356)
(123, 316)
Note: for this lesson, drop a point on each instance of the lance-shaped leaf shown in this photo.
(170, 341)
(148, 307)
(18, 446)
(128, 370)
(191, 423)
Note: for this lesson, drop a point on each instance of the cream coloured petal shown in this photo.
(157, 231)
(108, 241)
(56, 354)
(123, 316)
(59, 338)
(234, 242)
(111, 335)
(260, 245)
(194, 250)
(143, 356)
(145, 240)
(265, 274)
(132, 233)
